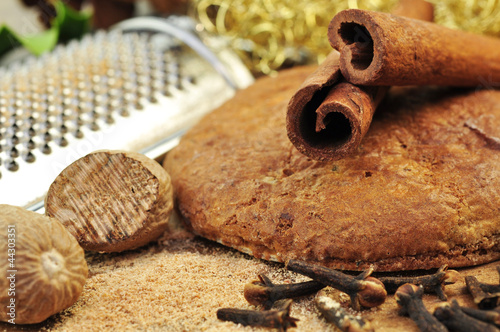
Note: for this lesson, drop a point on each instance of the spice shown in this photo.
(328, 117)
(43, 269)
(420, 10)
(432, 283)
(264, 293)
(488, 316)
(335, 314)
(486, 296)
(384, 49)
(112, 200)
(409, 297)
(456, 320)
(363, 290)
(279, 319)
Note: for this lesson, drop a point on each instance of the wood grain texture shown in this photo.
(112, 200)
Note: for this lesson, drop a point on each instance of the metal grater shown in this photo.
(135, 91)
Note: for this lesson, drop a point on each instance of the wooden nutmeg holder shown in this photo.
(384, 49)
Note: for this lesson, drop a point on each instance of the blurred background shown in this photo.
(267, 34)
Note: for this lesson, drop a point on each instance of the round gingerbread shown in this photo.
(423, 189)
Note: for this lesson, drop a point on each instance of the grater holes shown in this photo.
(15, 127)
(114, 94)
(33, 130)
(31, 145)
(124, 112)
(12, 165)
(153, 97)
(113, 105)
(86, 84)
(69, 114)
(143, 91)
(166, 92)
(96, 113)
(46, 149)
(100, 100)
(47, 137)
(29, 157)
(142, 80)
(63, 129)
(191, 79)
(33, 119)
(62, 141)
(94, 126)
(66, 102)
(14, 152)
(78, 134)
(14, 140)
(130, 98)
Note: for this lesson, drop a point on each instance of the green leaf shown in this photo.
(42, 42)
(8, 39)
(67, 25)
(71, 23)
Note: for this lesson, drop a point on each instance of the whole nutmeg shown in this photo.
(112, 200)
(42, 267)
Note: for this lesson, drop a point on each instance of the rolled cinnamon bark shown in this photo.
(328, 117)
(384, 49)
(417, 9)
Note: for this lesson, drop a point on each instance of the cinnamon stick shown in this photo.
(328, 117)
(419, 10)
(384, 49)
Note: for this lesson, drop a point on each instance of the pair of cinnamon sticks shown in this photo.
(331, 112)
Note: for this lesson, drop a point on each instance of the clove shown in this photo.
(488, 316)
(431, 283)
(264, 293)
(335, 314)
(363, 290)
(455, 319)
(486, 296)
(278, 319)
(409, 298)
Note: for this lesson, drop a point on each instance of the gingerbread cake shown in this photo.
(422, 190)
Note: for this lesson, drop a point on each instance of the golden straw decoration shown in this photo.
(273, 34)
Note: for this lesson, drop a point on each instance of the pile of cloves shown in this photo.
(367, 291)
(279, 319)
(451, 316)
(432, 283)
(364, 291)
(486, 296)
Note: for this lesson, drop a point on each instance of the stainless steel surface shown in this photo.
(112, 90)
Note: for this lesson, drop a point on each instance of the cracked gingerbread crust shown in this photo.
(422, 190)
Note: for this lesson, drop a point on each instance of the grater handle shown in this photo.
(158, 24)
